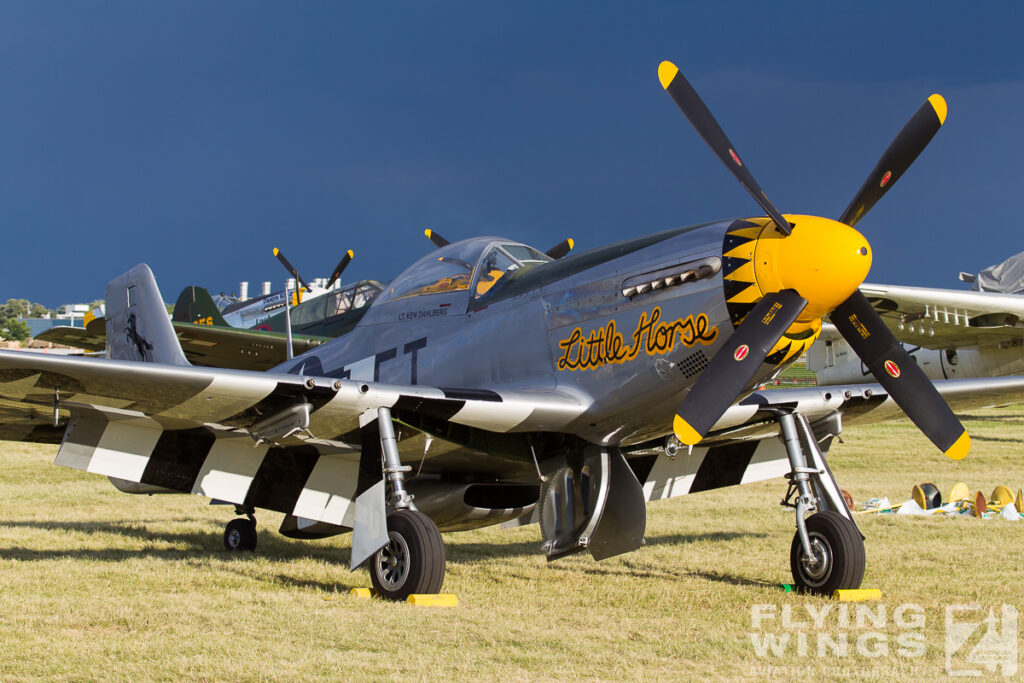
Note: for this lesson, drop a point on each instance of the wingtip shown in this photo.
(960, 448)
(666, 72)
(938, 103)
(684, 432)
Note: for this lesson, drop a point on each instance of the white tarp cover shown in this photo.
(1006, 277)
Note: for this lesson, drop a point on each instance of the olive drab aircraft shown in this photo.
(490, 382)
(251, 334)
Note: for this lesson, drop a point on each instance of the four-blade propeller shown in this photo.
(809, 267)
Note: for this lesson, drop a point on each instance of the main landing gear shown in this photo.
(240, 533)
(828, 550)
(413, 560)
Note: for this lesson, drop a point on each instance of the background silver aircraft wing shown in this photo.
(948, 318)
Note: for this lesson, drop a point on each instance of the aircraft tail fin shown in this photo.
(195, 305)
(138, 327)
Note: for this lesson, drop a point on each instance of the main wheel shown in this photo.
(840, 550)
(412, 561)
(240, 534)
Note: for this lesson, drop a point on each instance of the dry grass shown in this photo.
(95, 584)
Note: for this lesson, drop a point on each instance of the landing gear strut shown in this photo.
(828, 550)
(413, 560)
(240, 533)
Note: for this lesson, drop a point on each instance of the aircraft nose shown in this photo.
(823, 260)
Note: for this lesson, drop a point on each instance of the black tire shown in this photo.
(240, 534)
(413, 561)
(843, 548)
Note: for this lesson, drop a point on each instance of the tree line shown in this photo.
(13, 329)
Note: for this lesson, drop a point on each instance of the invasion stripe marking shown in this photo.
(442, 409)
(281, 477)
(330, 491)
(723, 466)
(178, 458)
(229, 469)
(80, 441)
(472, 394)
(124, 448)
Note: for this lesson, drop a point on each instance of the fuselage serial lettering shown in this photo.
(606, 345)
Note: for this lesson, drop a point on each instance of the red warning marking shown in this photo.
(741, 352)
(885, 179)
(892, 369)
(735, 158)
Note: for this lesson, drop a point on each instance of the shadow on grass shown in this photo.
(188, 544)
(467, 552)
(199, 544)
(989, 417)
(320, 586)
(996, 439)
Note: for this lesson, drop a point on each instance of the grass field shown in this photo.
(95, 584)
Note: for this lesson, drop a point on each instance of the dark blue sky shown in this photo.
(197, 136)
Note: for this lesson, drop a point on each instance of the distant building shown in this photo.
(75, 311)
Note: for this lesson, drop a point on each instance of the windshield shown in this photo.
(503, 264)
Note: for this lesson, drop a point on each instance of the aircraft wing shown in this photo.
(948, 318)
(854, 404)
(239, 349)
(277, 441)
(742, 447)
(87, 338)
(207, 345)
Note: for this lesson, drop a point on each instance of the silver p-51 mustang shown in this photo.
(490, 382)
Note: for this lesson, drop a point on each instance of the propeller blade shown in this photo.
(435, 238)
(561, 249)
(735, 364)
(897, 372)
(289, 267)
(689, 102)
(340, 268)
(898, 157)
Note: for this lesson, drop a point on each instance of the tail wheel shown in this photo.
(414, 559)
(240, 534)
(839, 551)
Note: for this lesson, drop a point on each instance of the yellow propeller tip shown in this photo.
(276, 251)
(351, 254)
(428, 233)
(960, 447)
(666, 72)
(939, 105)
(684, 432)
(571, 244)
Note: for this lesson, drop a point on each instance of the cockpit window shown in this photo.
(502, 264)
(450, 269)
(477, 266)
